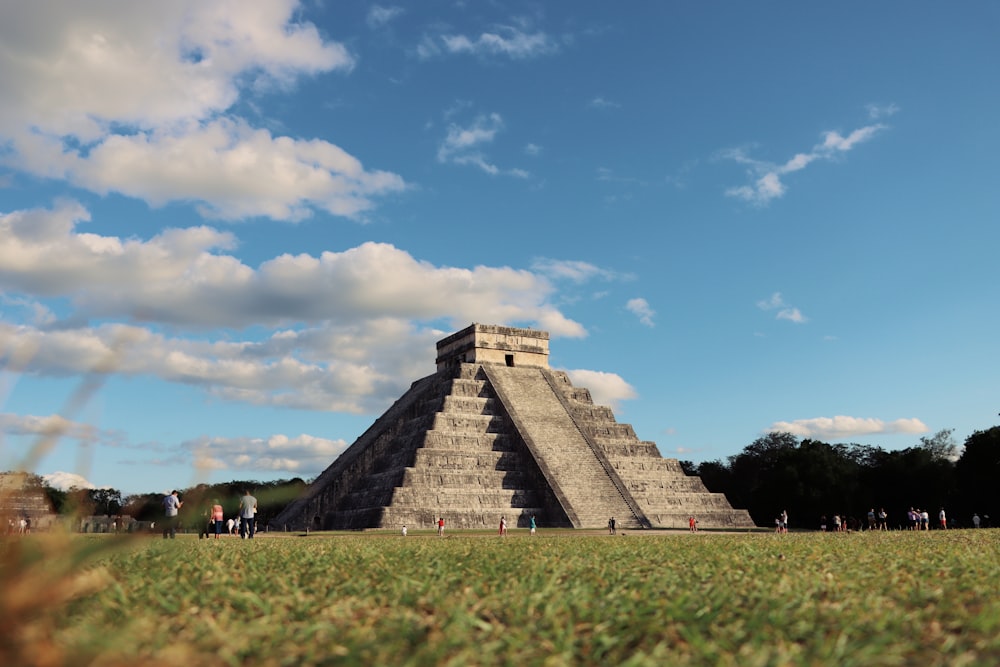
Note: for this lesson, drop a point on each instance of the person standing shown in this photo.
(171, 506)
(612, 526)
(532, 524)
(503, 526)
(207, 523)
(248, 511)
(218, 517)
(404, 530)
(942, 519)
(441, 526)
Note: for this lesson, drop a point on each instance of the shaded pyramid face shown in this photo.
(496, 433)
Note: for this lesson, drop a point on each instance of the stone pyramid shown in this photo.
(496, 432)
(20, 499)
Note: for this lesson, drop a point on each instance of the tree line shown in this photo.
(778, 471)
(810, 478)
(272, 497)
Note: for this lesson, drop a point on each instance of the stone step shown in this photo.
(465, 479)
(461, 459)
(687, 502)
(599, 520)
(468, 372)
(627, 441)
(425, 519)
(655, 485)
(413, 426)
(726, 519)
(615, 430)
(640, 465)
(469, 389)
(494, 498)
(462, 423)
(356, 519)
(369, 498)
(472, 443)
(578, 395)
(561, 380)
(410, 497)
(472, 405)
(387, 479)
(616, 447)
(596, 414)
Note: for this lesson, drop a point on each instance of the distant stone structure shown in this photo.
(496, 432)
(20, 500)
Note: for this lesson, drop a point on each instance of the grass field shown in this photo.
(559, 598)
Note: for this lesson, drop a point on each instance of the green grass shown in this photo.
(556, 599)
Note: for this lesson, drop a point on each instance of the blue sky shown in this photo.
(231, 233)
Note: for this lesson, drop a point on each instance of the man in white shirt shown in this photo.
(171, 505)
(248, 511)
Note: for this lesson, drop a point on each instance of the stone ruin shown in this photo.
(496, 432)
(19, 499)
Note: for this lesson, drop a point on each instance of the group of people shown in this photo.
(247, 516)
(840, 523)
(916, 519)
(20, 526)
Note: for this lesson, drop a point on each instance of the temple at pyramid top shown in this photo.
(492, 344)
(497, 433)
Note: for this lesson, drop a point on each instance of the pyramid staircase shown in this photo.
(665, 494)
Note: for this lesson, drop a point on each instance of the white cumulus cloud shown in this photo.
(186, 277)
(303, 455)
(47, 426)
(333, 332)
(605, 388)
(842, 427)
(65, 481)
(138, 100)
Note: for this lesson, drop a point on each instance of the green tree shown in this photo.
(144, 506)
(977, 473)
(106, 502)
(941, 445)
(760, 475)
